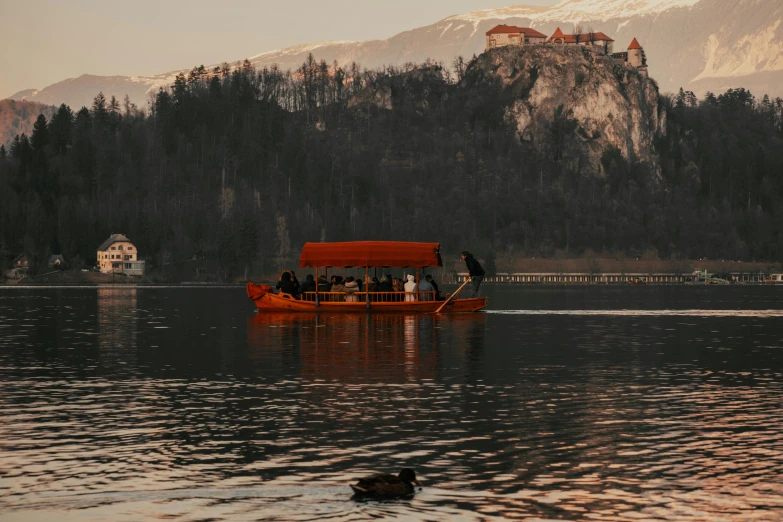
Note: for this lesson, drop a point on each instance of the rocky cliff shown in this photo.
(586, 100)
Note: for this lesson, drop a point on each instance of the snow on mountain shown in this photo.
(503, 13)
(575, 11)
(696, 44)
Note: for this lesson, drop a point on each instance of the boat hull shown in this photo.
(267, 301)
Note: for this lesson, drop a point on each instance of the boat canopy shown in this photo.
(397, 254)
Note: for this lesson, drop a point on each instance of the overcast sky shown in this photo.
(46, 41)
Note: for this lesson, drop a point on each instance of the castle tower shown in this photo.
(636, 57)
(558, 38)
(635, 54)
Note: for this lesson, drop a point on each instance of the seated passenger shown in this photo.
(306, 287)
(427, 290)
(373, 285)
(323, 285)
(435, 288)
(410, 288)
(386, 284)
(397, 288)
(338, 287)
(351, 287)
(285, 285)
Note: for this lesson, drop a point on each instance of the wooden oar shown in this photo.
(452, 296)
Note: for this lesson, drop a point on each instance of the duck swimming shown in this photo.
(384, 485)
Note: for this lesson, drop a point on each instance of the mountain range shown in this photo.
(700, 45)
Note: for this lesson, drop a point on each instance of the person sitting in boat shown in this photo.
(351, 287)
(398, 288)
(427, 289)
(338, 288)
(307, 287)
(435, 288)
(295, 281)
(373, 285)
(410, 288)
(285, 285)
(386, 287)
(324, 286)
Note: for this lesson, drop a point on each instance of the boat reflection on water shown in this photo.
(360, 348)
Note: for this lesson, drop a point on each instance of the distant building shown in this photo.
(634, 56)
(118, 255)
(21, 261)
(56, 261)
(20, 266)
(505, 35)
(596, 40)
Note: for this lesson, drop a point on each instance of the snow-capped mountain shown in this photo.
(696, 44)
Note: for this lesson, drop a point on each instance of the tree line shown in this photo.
(242, 166)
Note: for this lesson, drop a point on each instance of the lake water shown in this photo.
(594, 403)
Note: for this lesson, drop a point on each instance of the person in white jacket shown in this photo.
(410, 288)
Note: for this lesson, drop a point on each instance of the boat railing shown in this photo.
(375, 297)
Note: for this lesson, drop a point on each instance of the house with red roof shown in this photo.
(504, 35)
(595, 40)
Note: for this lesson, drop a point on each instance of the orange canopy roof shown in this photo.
(635, 44)
(396, 254)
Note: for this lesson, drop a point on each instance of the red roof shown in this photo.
(396, 254)
(598, 36)
(635, 44)
(558, 34)
(511, 29)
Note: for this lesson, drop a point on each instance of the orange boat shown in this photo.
(365, 254)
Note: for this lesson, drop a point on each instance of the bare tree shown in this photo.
(578, 33)
(591, 37)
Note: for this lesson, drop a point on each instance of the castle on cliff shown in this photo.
(506, 35)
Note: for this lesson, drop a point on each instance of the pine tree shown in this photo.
(99, 104)
(14, 149)
(40, 136)
(60, 130)
(2, 152)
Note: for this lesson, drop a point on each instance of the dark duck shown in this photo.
(384, 485)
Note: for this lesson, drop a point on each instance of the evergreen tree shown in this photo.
(60, 129)
(40, 137)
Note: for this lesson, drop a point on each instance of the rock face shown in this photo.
(572, 94)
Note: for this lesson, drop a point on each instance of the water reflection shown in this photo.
(183, 404)
(352, 347)
(117, 320)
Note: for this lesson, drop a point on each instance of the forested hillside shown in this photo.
(244, 166)
(17, 117)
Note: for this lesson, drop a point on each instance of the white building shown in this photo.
(118, 255)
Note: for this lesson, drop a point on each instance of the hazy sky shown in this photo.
(45, 41)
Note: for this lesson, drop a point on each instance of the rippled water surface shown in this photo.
(618, 403)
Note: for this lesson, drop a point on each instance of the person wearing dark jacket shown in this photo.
(285, 285)
(431, 281)
(385, 285)
(324, 285)
(475, 271)
(308, 286)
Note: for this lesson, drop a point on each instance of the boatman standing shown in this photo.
(476, 272)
